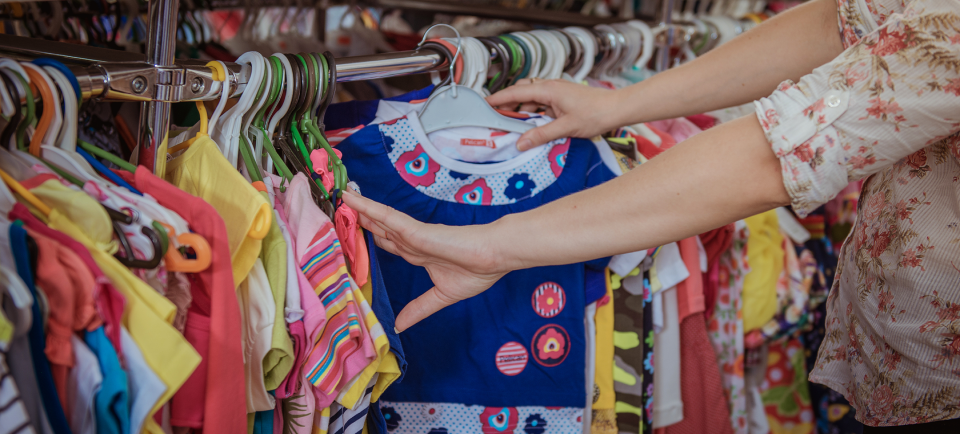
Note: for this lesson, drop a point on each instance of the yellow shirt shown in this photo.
(355, 389)
(148, 315)
(279, 360)
(203, 172)
(604, 420)
(765, 257)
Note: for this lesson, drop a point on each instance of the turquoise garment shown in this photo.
(112, 404)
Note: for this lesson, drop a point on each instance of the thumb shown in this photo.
(540, 135)
(422, 307)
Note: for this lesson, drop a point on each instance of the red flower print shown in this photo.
(475, 193)
(859, 162)
(884, 302)
(910, 259)
(551, 345)
(953, 344)
(804, 152)
(917, 159)
(558, 157)
(816, 107)
(891, 359)
(888, 42)
(880, 244)
(880, 108)
(496, 420)
(417, 168)
(881, 400)
(855, 74)
(953, 87)
(875, 205)
(904, 211)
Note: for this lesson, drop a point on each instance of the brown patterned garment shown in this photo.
(887, 108)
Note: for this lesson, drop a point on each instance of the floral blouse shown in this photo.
(888, 108)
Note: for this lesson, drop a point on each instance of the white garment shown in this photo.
(590, 325)
(257, 311)
(83, 383)
(144, 384)
(671, 270)
(292, 309)
(657, 310)
(667, 404)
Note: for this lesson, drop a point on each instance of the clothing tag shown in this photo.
(791, 227)
(478, 142)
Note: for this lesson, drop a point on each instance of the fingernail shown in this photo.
(524, 144)
(396, 331)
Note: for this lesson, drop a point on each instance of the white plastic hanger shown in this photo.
(589, 51)
(646, 51)
(248, 117)
(227, 133)
(457, 106)
(224, 96)
(63, 153)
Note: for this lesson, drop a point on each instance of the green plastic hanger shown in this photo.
(30, 116)
(272, 99)
(120, 162)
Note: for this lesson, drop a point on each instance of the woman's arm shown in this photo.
(751, 66)
(892, 94)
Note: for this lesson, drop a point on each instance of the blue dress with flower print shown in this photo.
(511, 359)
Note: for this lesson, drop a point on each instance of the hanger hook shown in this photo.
(453, 62)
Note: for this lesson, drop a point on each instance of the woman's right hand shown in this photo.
(578, 110)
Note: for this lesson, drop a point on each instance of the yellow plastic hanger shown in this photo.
(25, 194)
(219, 75)
(202, 133)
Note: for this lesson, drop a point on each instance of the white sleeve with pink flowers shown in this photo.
(891, 93)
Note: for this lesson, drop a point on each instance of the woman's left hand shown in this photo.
(461, 260)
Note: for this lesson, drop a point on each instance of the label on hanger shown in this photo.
(790, 226)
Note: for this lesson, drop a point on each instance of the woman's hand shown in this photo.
(461, 260)
(580, 111)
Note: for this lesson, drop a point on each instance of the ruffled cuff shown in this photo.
(801, 133)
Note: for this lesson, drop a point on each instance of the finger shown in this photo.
(529, 107)
(387, 245)
(372, 226)
(540, 135)
(422, 307)
(373, 210)
(514, 95)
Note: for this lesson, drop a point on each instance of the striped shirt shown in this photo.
(344, 347)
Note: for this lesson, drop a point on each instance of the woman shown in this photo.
(880, 99)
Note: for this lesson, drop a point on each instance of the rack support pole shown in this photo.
(154, 115)
(666, 20)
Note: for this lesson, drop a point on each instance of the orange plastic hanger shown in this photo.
(48, 113)
(175, 262)
(25, 194)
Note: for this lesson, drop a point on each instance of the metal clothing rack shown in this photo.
(157, 79)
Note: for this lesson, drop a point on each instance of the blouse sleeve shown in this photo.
(894, 92)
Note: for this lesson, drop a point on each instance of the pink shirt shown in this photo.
(217, 402)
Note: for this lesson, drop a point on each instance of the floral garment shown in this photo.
(887, 108)
(725, 327)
